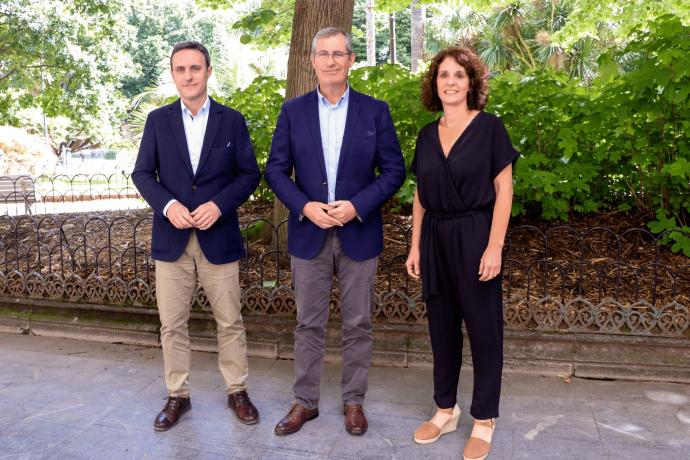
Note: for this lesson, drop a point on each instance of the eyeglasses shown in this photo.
(337, 55)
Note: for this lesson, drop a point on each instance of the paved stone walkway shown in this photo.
(66, 399)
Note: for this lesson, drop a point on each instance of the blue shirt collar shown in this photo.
(204, 108)
(326, 103)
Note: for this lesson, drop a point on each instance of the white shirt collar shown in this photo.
(204, 108)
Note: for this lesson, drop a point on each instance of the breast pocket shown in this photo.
(365, 146)
(222, 159)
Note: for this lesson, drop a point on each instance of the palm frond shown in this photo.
(493, 49)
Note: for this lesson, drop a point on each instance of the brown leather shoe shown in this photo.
(171, 413)
(355, 420)
(293, 421)
(245, 411)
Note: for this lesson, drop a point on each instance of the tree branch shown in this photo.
(518, 53)
(38, 66)
(525, 47)
(8, 74)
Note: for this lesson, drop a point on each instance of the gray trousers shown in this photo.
(313, 282)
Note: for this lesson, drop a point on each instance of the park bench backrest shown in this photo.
(17, 188)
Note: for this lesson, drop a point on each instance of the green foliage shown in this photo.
(269, 25)
(158, 26)
(388, 6)
(618, 144)
(649, 118)
(595, 18)
(671, 233)
(255, 231)
(542, 112)
(214, 4)
(260, 103)
(402, 34)
(64, 57)
(595, 95)
(359, 31)
(520, 36)
(400, 89)
(79, 60)
(622, 144)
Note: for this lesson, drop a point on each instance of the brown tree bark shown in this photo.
(310, 17)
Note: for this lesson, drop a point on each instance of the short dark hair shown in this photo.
(476, 70)
(191, 45)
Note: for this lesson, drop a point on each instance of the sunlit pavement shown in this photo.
(67, 399)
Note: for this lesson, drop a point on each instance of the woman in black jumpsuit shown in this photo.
(463, 163)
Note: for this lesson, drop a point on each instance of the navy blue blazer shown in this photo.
(369, 144)
(227, 174)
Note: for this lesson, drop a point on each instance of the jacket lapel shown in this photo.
(175, 116)
(214, 117)
(350, 128)
(315, 129)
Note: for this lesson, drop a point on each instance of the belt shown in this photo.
(456, 215)
(432, 247)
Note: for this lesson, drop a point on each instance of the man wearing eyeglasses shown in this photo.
(335, 139)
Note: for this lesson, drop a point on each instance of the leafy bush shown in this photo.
(400, 89)
(620, 144)
(647, 120)
(260, 104)
(543, 113)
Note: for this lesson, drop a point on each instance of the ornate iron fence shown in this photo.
(562, 279)
(24, 194)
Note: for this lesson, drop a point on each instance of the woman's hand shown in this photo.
(412, 263)
(490, 264)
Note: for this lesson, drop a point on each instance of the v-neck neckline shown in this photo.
(438, 136)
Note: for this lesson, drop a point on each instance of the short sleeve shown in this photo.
(502, 152)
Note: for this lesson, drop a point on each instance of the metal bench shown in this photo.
(18, 188)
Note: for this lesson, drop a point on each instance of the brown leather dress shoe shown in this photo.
(171, 413)
(245, 411)
(293, 421)
(355, 420)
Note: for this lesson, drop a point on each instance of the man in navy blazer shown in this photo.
(195, 167)
(334, 139)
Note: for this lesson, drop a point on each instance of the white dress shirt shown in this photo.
(194, 132)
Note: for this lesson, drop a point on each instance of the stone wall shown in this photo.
(566, 354)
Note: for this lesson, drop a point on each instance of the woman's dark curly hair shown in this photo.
(476, 71)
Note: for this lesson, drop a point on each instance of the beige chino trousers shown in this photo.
(175, 283)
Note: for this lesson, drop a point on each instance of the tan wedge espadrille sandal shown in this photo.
(429, 432)
(479, 444)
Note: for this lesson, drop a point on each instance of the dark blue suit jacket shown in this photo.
(227, 174)
(369, 144)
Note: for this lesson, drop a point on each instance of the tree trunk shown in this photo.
(371, 33)
(391, 41)
(417, 35)
(310, 17)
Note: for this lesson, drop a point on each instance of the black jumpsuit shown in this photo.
(458, 195)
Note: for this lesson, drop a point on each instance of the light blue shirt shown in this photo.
(194, 132)
(332, 119)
